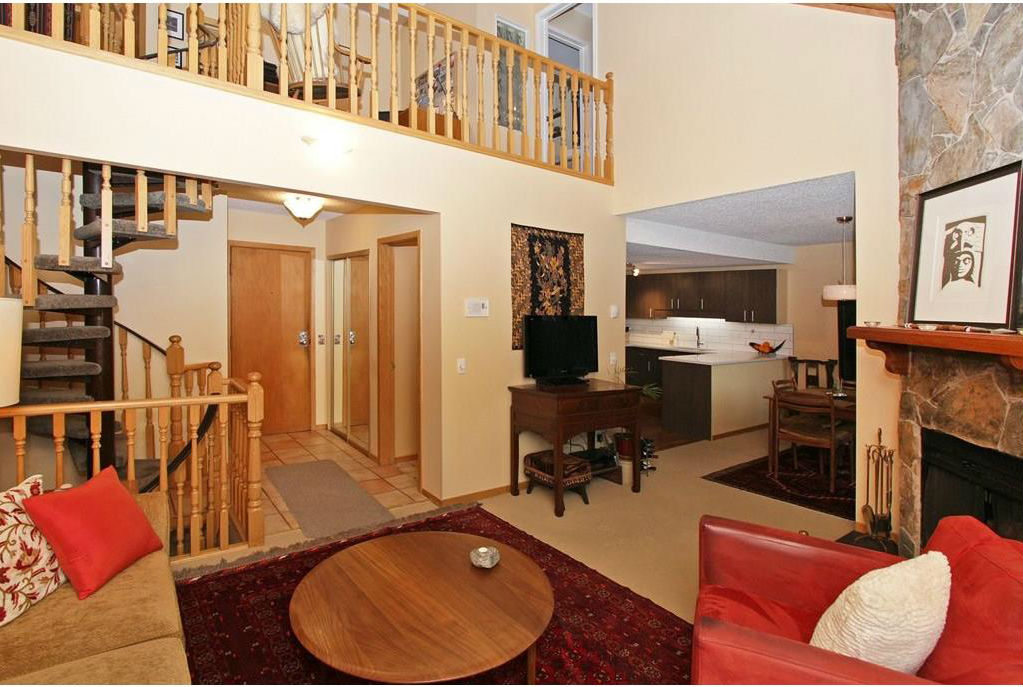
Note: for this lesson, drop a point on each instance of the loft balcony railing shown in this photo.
(399, 66)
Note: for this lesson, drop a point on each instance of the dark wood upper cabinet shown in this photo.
(735, 295)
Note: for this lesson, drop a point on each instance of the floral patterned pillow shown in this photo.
(28, 567)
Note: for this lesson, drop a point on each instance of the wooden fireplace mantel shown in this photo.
(895, 343)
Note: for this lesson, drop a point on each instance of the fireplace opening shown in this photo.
(960, 478)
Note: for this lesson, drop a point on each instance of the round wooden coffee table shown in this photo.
(411, 608)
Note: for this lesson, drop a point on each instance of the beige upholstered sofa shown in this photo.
(127, 632)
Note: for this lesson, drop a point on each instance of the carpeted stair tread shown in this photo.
(123, 229)
(76, 426)
(78, 264)
(44, 369)
(69, 302)
(62, 336)
(35, 397)
(121, 201)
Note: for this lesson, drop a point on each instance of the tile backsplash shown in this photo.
(715, 335)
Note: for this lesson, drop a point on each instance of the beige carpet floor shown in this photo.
(648, 541)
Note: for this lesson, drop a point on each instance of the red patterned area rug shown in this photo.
(237, 629)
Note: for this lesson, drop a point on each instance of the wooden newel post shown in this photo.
(253, 48)
(176, 371)
(609, 164)
(254, 488)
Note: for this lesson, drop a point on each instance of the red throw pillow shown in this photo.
(97, 530)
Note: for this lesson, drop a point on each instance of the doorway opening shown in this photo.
(398, 350)
(350, 376)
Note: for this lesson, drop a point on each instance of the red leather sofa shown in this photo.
(762, 591)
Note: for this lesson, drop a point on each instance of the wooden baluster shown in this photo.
(282, 48)
(599, 162)
(106, 26)
(213, 385)
(15, 278)
(163, 420)
(537, 105)
(162, 56)
(463, 101)
(353, 29)
(431, 110)
(94, 25)
(509, 100)
(58, 448)
(179, 502)
(175, 362)
(192, 190)
(609, 164)
(588, 127)
(223, 526)
(550, 113)
(374, 57)
(254, 467)
(394, 63)
(129, 29)
(20, 436)
(562, 92)
(95, 432)
(253, 48)
(495, 60)
(129, 436)
(222, 58)
(206, 194)
(57, 20)
(170, 204)
(147, 362)
(29, 287)
(188, 382)
(576, 95)
(480, 52)
(449, 125)
(525, 140)
(18, 20)
(331, 59)
(65, 216)
(307, 57)
(194, 481)
(122, 342)
(413, 103)
(141, 201)
(106, 221)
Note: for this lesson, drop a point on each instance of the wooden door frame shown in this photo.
(332, 258)
(385, 345)
(310, 256)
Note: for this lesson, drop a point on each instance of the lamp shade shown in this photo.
(840, 292)
(302, 206)
(10, 350)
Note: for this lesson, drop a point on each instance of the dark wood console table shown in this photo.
(559, 413)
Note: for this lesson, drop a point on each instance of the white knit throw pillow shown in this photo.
(891, 616)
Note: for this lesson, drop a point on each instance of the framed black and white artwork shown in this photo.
(176, 25)
(967, 268)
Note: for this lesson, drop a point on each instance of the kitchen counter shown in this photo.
(666, 347)
(722, 358)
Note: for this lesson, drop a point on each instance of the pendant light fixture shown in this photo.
(841, 291)
(303, 207)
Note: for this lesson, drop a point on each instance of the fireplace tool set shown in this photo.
(877, 512)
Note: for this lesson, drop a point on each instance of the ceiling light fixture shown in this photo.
(841, 291)
(303, 207)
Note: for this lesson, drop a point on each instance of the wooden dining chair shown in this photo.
(812, 372)
(805, 420)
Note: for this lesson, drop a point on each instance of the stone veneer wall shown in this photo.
(960, 114)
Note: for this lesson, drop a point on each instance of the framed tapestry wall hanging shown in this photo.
(547, 275)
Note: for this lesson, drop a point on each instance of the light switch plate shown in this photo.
(614, 359)
(613, 311)
(477, 307)
(460, 366)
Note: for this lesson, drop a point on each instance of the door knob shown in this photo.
(351, 337)
(303, 338)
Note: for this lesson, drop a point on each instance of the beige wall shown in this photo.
(800, 285)
(723, 98)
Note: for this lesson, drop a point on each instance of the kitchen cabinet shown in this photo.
(643, 365)
(735, 295)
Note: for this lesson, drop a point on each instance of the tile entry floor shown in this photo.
(396, 487)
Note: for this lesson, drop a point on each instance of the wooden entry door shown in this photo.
(270, 310)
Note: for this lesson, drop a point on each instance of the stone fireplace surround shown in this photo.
(960, 114)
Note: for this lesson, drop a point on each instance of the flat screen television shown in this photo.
(560, 349)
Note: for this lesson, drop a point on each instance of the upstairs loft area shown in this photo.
(398, 66)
